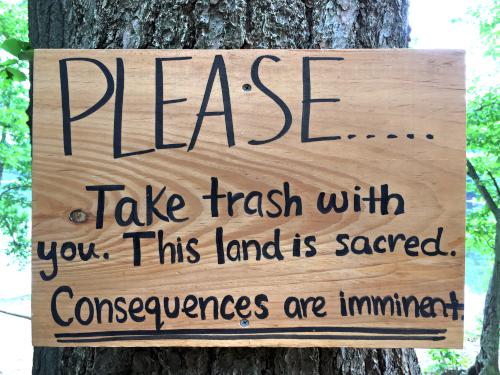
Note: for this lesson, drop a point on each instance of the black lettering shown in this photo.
(136, 241)
(152, 306)
(79, 309)
(101, 189)
(286, 111)
(160, 102)
(190, 304)
(119, 307)
(194, 255)
(133, 216)
(411, 243)
(309, 242)
(67, 118)
(174, 313)
(218, 66)
(223, 307)
(117, 131)
(345, 249)
(53, 305)
(291, 200)
(332, 203)
(135, 307)
(260, 299)
(359, 302)
(437, 244)
(219, 242)
(386, 198)
(343, 307)
(99, 305)
(214, 196)
(242, 304)
(292, 308)
(51, 255)
(163, 247)
(204, 302)
(307, 100)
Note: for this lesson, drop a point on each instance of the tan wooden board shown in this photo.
(399, 121)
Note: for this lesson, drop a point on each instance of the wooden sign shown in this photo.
(248, 198)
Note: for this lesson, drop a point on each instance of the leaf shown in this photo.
(15, 46)
(8, 62)
(15, 74)
(27, 54)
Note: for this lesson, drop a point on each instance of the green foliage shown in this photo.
(16, 47)
(14, 20)
(13, 29)
(483, 133)
(445, 360)
(488, 15)
(15, 149)
(483, 151)
(11, 69)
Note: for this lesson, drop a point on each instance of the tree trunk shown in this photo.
(220, 24)
(487, 360)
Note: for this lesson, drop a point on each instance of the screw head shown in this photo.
(246, 87)
(244, 323)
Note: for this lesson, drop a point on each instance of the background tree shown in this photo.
(220, 24)
(483, 168)
(15, 157)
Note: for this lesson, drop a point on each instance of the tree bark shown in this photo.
(486, 362)
(220, 24)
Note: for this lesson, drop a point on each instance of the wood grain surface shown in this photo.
(400, 121)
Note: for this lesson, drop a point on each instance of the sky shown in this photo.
(431, 25)
(444, 24)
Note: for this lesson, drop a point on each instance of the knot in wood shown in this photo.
(78, 216)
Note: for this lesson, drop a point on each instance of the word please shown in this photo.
(115, 86)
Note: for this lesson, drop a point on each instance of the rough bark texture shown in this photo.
(220, 24)
(487, 360)
(224, 361)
